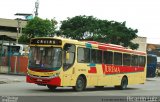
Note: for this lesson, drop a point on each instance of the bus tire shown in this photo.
(124, 83)
(80, 84)
(52, 88)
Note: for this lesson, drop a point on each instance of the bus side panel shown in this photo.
(66, 77)
(88, 70)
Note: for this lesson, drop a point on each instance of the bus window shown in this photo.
(126, 59)
(151, 59)
(151, 65)
(99, 57)
(13, 49)
(117, 58)
(96, 56)
(108, 57)
(134, 60)
(4, 51)
(142, 61)
(70, 49)
(93, 56)
(83, 55)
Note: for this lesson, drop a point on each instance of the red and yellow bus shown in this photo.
(57, 62)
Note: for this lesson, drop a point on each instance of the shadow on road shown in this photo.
(150, 80)
(86, 90)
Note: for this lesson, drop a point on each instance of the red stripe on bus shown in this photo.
(114, 69)
(92, 70)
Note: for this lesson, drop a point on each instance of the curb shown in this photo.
(10, 81)
(16, 74)
(3, 82)
(11, 78)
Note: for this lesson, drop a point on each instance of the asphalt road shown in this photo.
(20, 88)
(15, 89)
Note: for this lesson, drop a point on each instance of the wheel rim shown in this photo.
(124, 83)
(80, 84)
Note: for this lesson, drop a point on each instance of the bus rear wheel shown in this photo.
(52, 88)
(124, 83)
(80, 84)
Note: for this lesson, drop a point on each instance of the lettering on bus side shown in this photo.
(81, 69)
(111, 69)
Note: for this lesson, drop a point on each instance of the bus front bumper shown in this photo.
(56, 81)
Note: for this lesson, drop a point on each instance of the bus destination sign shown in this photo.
(46, 41)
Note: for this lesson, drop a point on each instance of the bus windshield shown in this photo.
(45, 57)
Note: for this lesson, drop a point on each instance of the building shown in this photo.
(154, 49)
(142, 41)
(9, 27)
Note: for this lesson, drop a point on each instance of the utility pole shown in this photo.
(36, 6)
(19, 31)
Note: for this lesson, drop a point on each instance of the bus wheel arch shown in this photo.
(81, 83)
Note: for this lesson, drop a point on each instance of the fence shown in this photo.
(13, 64)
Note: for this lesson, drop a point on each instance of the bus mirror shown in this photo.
(67, 56)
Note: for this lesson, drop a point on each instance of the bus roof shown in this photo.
(115, 47)
(105, 46)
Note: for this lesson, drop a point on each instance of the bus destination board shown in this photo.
(45, 41)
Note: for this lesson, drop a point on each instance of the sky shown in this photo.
(138, 14)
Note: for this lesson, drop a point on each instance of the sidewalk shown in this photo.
(6, 78)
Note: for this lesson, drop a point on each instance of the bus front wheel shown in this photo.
(52, 88)
(80, 84)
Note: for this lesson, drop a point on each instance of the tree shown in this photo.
(78, 27)
(38, 27)
(91, 28)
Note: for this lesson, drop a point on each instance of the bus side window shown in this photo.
(142, 61)
(70, 50)
(134, 60)
(126, 59)
(117, 58)
(93, 56)
(99, 57)
(83, 55)
(108, 57)
(96, 56)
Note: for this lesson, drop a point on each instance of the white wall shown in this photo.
(142, 41)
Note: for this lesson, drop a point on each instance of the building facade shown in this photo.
(142, 41)
(10, 27)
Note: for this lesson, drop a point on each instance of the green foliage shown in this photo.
(134, 46)
(24, 39)
(76, 27)
(38, 27)
(90, 28)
